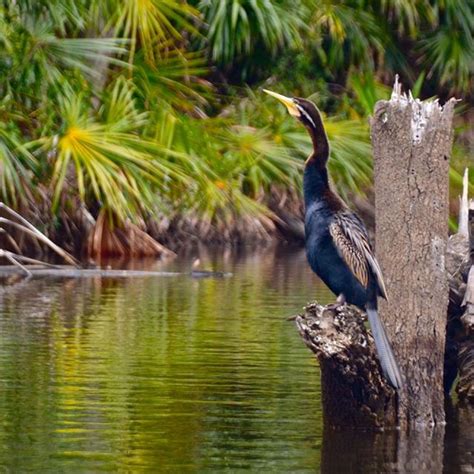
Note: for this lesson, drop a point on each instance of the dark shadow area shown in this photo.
(448, 449)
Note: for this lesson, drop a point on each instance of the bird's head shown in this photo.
(303, 109)
(308, 114)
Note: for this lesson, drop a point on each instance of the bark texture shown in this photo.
(412, 144)
(354, 392)
(465, 387)
(457, 266)
(459, 354)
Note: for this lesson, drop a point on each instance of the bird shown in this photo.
(338, 248)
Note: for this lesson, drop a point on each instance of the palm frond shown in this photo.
(16, 165)
(174, 79)
(115, 168)
(149, 23)
(237, 27)
(119, 110)
(449, 55)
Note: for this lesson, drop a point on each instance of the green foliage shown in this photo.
(149, 23)
(112, 165)
(238, 28)
(125, 105)
(448, 52)
(15, 164)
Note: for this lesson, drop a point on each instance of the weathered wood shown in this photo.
(465, 387)
(412, 144)
(457, 267)
(354, 392)
(18, 222)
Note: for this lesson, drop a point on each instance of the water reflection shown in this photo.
(443, 449)
(169, 373)
(175, 375)
(459, 440)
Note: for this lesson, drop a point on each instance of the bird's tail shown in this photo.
(384, 349)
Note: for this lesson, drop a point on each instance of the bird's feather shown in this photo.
(352, 242)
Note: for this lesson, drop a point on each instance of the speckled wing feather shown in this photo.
(352, 242)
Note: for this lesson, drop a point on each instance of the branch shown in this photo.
(31, 230)
(10, 257)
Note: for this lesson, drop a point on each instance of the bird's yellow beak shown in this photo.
(287, 101)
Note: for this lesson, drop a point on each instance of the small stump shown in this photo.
(354, 391)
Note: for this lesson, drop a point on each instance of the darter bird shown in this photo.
(337, 244)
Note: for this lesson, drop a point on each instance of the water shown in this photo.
(175, 374)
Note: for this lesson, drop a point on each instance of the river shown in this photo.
(181, 374)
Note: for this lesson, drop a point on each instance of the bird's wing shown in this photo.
(352, 242)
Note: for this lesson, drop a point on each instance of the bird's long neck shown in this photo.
(316, 181)
(316, 131)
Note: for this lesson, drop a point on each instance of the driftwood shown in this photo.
(65, 271)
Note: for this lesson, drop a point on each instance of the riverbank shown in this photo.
(91, 238)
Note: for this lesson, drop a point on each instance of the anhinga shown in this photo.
(337, 244)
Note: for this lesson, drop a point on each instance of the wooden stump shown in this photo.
(412, 145)
(383, 452)
(354, 392)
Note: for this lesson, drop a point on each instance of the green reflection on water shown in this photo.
(172, 374)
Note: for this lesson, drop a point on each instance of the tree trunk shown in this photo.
(412, 144)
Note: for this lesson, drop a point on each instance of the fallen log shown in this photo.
(65, 271)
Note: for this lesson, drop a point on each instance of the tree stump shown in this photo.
(412, 144)
(390, 451)
(354, 392)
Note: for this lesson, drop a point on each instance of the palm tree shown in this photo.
(122, 110)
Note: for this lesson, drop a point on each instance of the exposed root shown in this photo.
(18, 222)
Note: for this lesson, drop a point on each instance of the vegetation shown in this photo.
(147, 115)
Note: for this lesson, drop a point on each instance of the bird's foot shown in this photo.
(340, 301)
